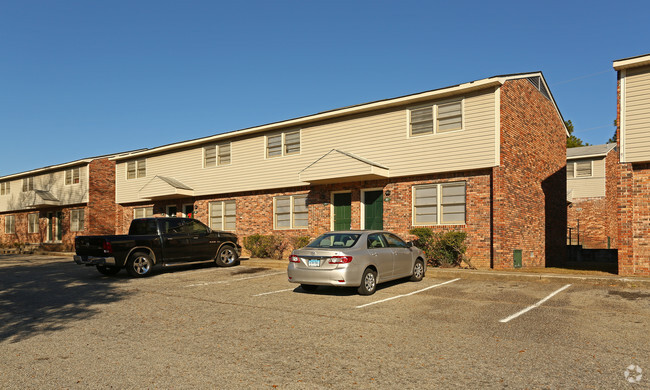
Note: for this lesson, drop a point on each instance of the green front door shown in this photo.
(373, 203)
(342, 211)
(59, 226)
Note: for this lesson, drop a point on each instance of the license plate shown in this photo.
(314, 263)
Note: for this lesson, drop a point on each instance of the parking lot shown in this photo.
(67, 326)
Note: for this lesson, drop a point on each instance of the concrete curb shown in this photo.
(598, 280)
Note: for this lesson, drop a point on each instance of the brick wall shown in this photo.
(21, 234)
(530, 183)
(101, 197)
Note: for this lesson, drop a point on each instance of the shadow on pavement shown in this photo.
(40, 295)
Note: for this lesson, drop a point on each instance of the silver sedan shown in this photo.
(357, 259)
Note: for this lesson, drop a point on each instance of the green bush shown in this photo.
(300, 241)
(265, 246)
(443, 248)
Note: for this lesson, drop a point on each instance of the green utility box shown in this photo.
(516, 258)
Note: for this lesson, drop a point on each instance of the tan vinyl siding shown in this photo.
(382, 137)
(588, 187)
(637, 114)
(54, 182)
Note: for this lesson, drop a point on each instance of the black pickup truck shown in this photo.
(157, 241)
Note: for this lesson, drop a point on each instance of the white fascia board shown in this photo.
(632, 62)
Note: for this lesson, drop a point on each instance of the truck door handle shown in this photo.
(196, 237)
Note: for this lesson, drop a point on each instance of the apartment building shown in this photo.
(633, 136)
(591, 187)
(485, 157)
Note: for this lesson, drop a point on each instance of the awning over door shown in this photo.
(40, 198)
(337, 166)
(161, 187)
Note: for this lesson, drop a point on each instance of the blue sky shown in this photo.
(87, 78)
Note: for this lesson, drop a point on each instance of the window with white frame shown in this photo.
(290, 212)
(580, 168)
(283, 144)
(215, 155)
(223, 215)
(10, 224)
(436, 118)
(72, 176)
(136, 169)
(5, 188)
(143, 212)
(77, 220)
(28, 184)
(32, 223)
(439, 204)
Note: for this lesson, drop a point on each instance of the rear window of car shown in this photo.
(143, 227)
(335, 240)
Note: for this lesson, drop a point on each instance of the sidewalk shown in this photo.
(445, 273)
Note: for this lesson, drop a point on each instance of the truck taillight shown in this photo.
(294, 259)
(340, 259)
(107, 247)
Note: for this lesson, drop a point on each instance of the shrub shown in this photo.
(300, 241)
(270, 246)
(442, 249)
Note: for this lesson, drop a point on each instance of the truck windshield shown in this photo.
(142, 227)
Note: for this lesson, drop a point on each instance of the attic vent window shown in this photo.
(537, 83)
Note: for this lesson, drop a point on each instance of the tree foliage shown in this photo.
(572, 141)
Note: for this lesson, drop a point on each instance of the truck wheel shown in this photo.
(226, 257)
(139, 265)
(108, 270)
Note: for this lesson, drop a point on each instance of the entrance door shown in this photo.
(342, 211)
(50, 227)
(59, 226)
(373, 206)
(171, 211)
(54, 226)
(188, 210)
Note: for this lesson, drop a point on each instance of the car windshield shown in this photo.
(335, 240)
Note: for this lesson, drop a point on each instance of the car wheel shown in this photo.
(308, 287)
(108, 270)
(226, 257)
(418, 271)
(139, 265)
(368, 282)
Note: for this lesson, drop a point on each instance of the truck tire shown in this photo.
(226, 256)
(139, 265)
(108, 270)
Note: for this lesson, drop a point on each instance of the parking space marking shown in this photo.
(274, 292)
(529, 308)
(406, 295)
(233, 280)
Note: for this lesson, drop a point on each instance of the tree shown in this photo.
(613, 139)
(572, 141)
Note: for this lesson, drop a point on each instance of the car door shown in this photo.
(204, 245)
(403, 256)
(175, 240)
(381, 255)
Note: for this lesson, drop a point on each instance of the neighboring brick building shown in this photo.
(633, 119)
(592, 175)
(55, 204)
(485, 157)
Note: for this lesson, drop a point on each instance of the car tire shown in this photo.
(308, 287)
(139, 265)
(108, 270)
(226, 256)
(368, 282)
(418, 271)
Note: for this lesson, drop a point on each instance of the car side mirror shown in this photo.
(409, 244)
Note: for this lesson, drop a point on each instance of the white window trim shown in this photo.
(71, 172)
(438, 204)
(29, 225)
(363, 204)
(13, 224)
(136, 162)
(291, 212)
(5, 188)
(283, 144)
(435, 117)
(223, 214)
(574, 163)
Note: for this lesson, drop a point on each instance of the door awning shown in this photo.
(337, 166)
(162, 187)
(42, 198)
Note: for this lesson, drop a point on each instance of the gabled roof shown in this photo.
(589, 151)
(361, 108)
(632, 62)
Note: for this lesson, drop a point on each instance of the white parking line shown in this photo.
(406, 295)
(274, 292)
(535, 305)
(233, 280)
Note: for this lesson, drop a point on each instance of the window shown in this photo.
(72, 176)
(223, 215)
(32, 223)
(581, 168)
(283, 144)
(5, 188)
(136, 169)
(291, 212)
(143, 212)
(28, 184)
(436, 204)
(446, 116)
(77, 220)
(10, 224)
(216, 155)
